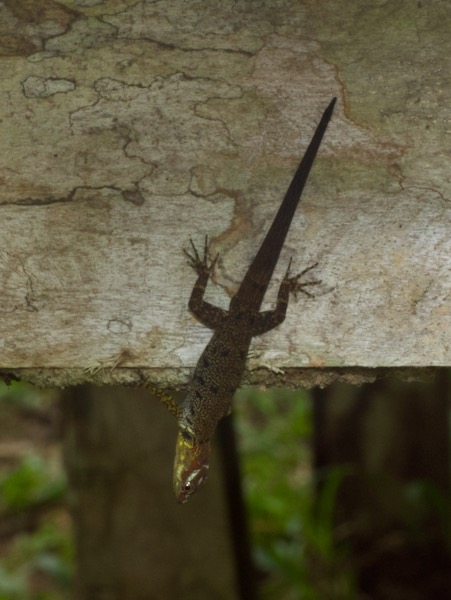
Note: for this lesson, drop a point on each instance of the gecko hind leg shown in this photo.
(202, 266)
(208, 314)
(294, 283)
(267, 320)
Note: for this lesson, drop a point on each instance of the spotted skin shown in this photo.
(220, 368)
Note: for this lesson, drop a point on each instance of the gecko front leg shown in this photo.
(209, 315)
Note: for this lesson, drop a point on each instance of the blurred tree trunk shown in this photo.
(133, 540)
(392, 440)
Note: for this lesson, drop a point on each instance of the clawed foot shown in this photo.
(200, 265)
(296, 285)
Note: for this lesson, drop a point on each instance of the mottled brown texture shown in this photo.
(220, 368)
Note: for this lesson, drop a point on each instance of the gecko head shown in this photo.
(192, 460)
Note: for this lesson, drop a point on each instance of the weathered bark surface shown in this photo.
(133, 540)
(128, 126)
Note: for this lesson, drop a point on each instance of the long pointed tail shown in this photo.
(261, 269)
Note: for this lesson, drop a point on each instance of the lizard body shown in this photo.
(220, 368)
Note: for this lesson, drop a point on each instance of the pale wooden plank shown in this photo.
(122, 137)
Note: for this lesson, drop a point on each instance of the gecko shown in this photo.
(220, 368)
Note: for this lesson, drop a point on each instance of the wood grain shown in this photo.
(124, 130)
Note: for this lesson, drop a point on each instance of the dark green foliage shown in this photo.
(293, 533)
(36, 550)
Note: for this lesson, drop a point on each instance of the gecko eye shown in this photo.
(190, 465)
